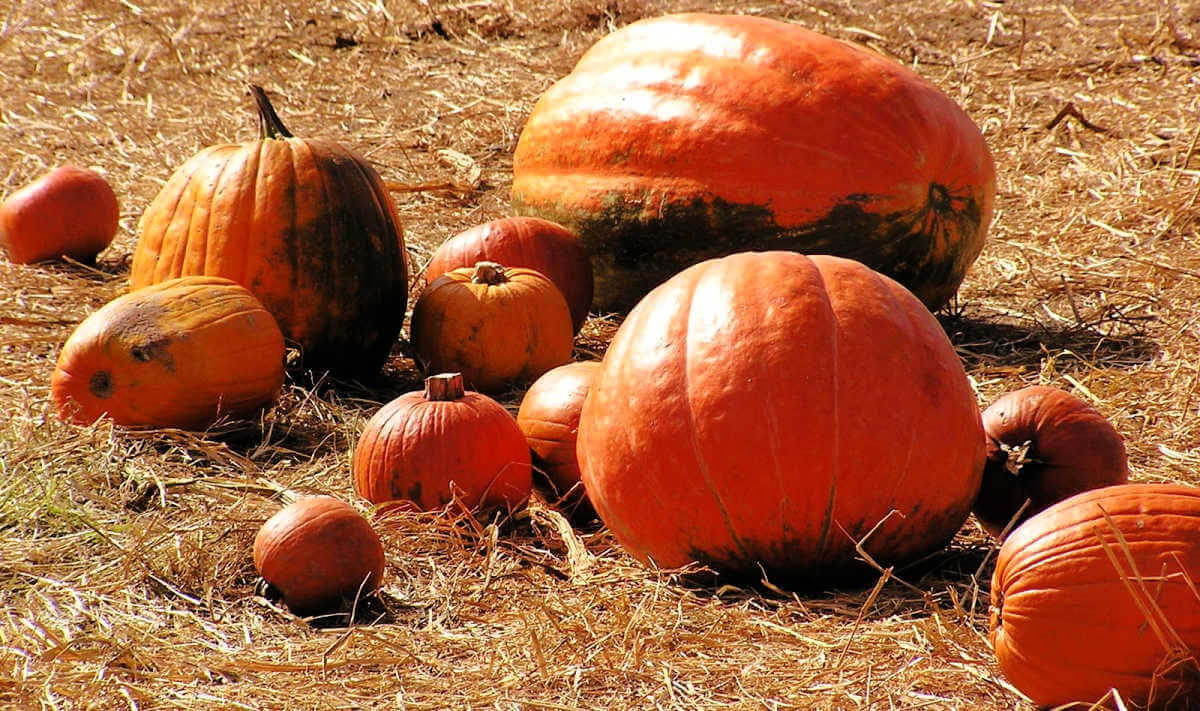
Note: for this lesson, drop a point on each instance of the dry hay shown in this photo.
(125, 574)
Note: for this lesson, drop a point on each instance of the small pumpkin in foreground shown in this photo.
(181, 353)
(1043, 445)
(1099, 592)
(320, 553)
(70, 211)
(687, 136)
(764, 412)
(531, 242)
(497, 325)
(424, 450)
(549, 418)
(306, 224)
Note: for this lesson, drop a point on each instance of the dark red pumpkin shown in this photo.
(683, 137)
(306, 224)
(320, 553)
(765, 411)
(549, 417)
(530, 242)
(70, 211)
(1099, 592)
(1043, 445)
(424, 450)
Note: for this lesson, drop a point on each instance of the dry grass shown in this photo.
(125, 573)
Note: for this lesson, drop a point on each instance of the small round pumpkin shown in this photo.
(181, 353)
(320, 553)
(531, 242)
(306, 224)
(70, 211)
(763, 412)
(424, 450)
(1098, 592)
(549, 417)
(1043, 445)
(687, 136)
(496, 325)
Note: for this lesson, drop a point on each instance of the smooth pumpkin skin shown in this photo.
(549, 418)
(419, 452)
(306, 224)
(495, 334)
(180, 353)
(530, 242)
(69, 211)
(769, 408)
(1073, 448)
(1065, 625)
(688, 136)
(319, 552)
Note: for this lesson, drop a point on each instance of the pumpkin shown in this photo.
(70, 211)
(424, 450)
(549, 418)
(763, 412)
(319, 553)
(181, 353)
(538, 244)
(688, 136)
(1098, 592)
(1043, 445)
(305, 224)
(496, 325)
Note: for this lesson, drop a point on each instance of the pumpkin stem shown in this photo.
(444, 386)
(1017, 456)
(490, 273)
(269, 125)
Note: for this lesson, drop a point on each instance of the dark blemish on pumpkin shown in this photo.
(101, 384)
(158, 350)
(414, 493)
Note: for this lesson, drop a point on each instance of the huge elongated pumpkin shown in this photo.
(687, 136)
(766, 411)
(305, 224)
(180, 353)
(1043, 445)
(1100, 592)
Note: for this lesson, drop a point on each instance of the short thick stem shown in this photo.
(491, 273)
(444, 386)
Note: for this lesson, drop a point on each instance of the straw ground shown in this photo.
(125, 572)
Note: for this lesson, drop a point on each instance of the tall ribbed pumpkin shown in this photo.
(688, 136)
(180, 353)
(1099, 591)
(765, 411)
(305, 224)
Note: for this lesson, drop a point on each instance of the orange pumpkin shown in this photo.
(683, 137)
(1098, 592)
(70, 211)
(549, 417)
(424, 450)
(320, 553)
(531, 242)
(762, 412)
(496, 325)
(305, 224)
(181, 353)
(1043, 445)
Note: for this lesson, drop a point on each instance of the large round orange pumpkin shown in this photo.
(305, 224)
(765, 411)
(70, 211)
(320, 553)
(530, 242)
(496, 325)
(1099, 592)
(424, 450)
(687, 136)
(1043, 445)
(180, 353)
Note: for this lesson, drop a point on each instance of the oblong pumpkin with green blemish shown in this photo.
(683, 137)
(181, 353)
